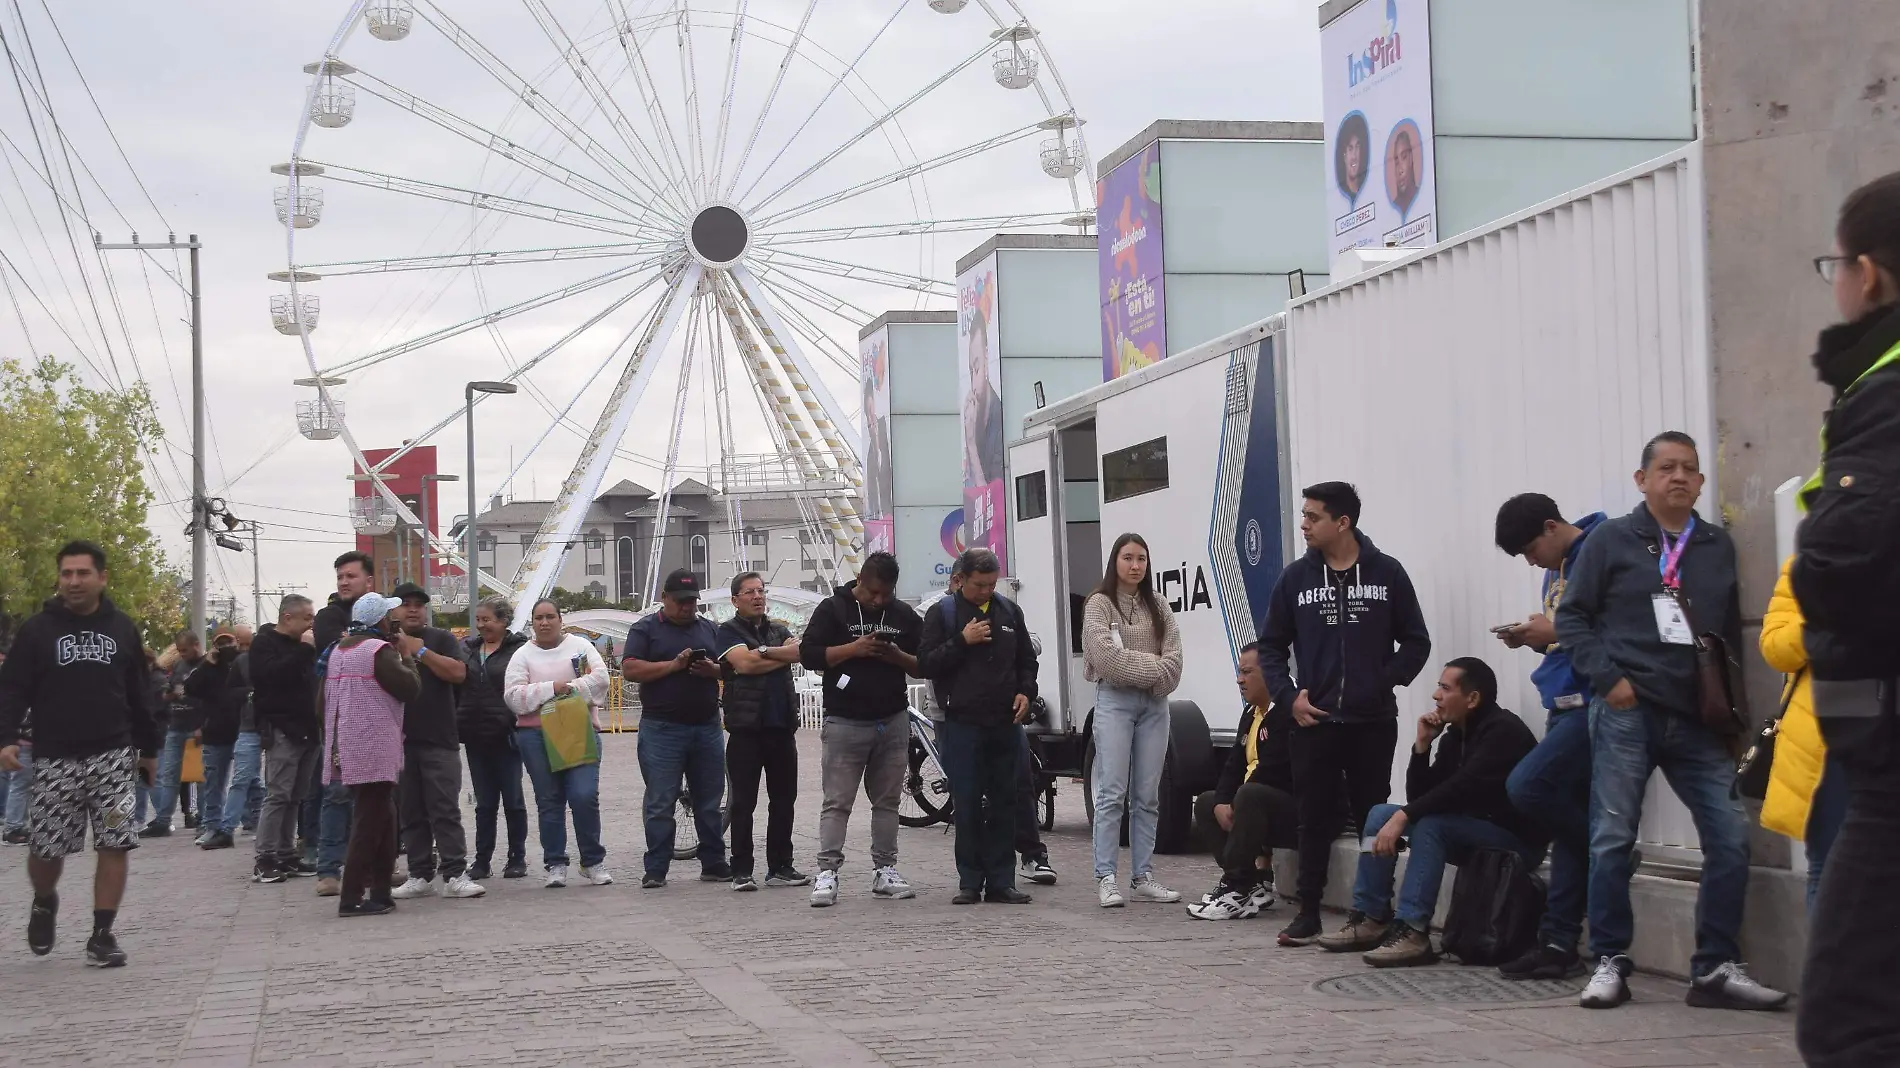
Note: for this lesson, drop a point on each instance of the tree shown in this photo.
(568, 601)
(71, 467)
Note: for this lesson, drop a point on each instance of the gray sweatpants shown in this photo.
(431, 810)
(290, 766)
(873, 752)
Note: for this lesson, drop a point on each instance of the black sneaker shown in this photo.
(744, 882)
(516, 869)
(14, 838)
(1303, 931)
(298, 868)
(787, 876)
(650, 881)
(191, 821)
(1547, 961)
(218, 840)
(369, 907)
(479, 871)
(1007, 895)
(102, 951)
(40, 928)
(721, 874)
(155, 829)
(267, 871)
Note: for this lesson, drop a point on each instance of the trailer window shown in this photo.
(1135, 470)
(1032, 495)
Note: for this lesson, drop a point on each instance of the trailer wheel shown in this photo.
(1185, 774)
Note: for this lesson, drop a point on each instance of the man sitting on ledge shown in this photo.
(1458, 805)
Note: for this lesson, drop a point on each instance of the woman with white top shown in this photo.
(1132, 650)
(552, 666)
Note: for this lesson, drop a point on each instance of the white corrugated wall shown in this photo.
(1537, 354)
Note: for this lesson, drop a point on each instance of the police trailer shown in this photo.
(1188, 453)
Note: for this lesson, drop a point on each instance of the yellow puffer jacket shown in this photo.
(1799, 751)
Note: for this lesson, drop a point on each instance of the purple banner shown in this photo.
(1128, 220)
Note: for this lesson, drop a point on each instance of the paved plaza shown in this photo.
(224, 972)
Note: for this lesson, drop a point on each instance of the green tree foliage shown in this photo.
(70, 467)
(568, 601)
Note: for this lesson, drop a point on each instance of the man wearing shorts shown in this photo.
(79, 668)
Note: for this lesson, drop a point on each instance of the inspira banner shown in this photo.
(1377, 65)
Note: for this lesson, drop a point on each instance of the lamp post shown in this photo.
(468, 529)
(423, 502)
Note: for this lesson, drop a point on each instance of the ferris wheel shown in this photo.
(708, 192)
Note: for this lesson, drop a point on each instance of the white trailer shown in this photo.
(1187, 454)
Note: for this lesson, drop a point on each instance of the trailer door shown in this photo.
(1035, 485)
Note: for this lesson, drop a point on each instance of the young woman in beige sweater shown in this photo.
(1132, 649)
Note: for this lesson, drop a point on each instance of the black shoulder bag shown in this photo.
(1751, 774)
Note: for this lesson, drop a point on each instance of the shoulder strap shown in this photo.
(949, 605)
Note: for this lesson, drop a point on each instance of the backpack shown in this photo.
(1496, 903)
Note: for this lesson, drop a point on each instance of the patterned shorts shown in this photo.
(70, 792)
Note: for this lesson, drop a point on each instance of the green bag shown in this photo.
(567, 729)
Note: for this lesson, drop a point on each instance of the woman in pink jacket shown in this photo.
(366, 680)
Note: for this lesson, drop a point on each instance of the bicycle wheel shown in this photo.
(1045, 793)
(926, 788)
(685, 830)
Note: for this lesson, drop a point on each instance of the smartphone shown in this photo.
(1505, 628)
(698, 655)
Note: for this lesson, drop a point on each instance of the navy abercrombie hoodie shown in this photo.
(1355, 636)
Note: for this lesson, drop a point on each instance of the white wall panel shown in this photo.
(926, 460)
(923, 368)
(1242, 207)
(1536, 355)
(1049, 304)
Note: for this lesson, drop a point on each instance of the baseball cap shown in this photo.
(372, 607)
(682, 585)
(406, 590)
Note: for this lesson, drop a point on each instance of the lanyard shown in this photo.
(1669, 561)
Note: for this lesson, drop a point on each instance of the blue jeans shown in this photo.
(217, 760)
(19, 790)
(1827, 810)
(164, 792)
(1626, 748)
(1435, 841)
(1552, 786)
(246, 795)
(1131, 747)
(556, 793)
(494, 773)
(668, 752)
(333, 829)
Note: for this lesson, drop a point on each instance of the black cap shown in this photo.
(406, 590)
(682, 585)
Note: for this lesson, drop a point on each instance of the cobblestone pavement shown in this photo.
(224, 972)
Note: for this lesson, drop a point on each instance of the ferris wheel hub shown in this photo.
(719, 235)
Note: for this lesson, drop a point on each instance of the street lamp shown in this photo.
(468, 529)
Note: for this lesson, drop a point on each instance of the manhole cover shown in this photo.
(1445, 985)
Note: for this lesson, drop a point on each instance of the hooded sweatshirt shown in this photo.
(1558, 681)
(862, 688)
(83, 678)
(1355, 635)
(284, 683)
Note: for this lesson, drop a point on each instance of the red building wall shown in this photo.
(404, 478)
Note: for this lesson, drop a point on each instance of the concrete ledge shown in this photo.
(1774, 926)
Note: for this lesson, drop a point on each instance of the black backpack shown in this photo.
(1496, 903)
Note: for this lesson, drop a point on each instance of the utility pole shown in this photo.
(199, 535)
(257, 582)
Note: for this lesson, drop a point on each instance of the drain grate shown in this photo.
(1451, 984)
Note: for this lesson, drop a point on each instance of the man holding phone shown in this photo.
(670, 654)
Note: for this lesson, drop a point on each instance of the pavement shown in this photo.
(224, 972)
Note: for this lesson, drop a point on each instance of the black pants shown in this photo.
(429, 811)
(1323, 754)
(773, 752)
(982, 763)
(1028, 834)
(1849, 1012)
(372, 851)
(1265, 818)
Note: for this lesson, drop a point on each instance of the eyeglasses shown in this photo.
(1829, 266)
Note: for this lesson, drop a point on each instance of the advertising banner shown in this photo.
(1376, 61)
(979, 383)
(928, 541)
(874, 384)
(1128, 218)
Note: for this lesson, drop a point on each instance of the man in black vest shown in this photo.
(756, 654)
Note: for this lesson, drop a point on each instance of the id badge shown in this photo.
(843, 681)
(1671, 625)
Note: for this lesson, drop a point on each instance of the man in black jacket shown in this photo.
(283, 691)
(1458, 804)
(756, 654)
(983, 660)
(78, 668)
(1348, 616)
(1251, 811)
(1846, 576)
(864, 640)
(216, 690)
(1646, 589)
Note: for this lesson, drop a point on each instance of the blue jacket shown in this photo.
(1557, 677)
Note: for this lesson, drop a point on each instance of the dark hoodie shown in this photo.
(1558, 682)
(1467, 778)
(284, 683)
(333, 621)
(481, 716)
(877, 689)
(220, 687)
(85, 681)
(1349, 661)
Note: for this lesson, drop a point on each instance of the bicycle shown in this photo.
(927, 799)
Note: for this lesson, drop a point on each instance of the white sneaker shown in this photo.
(1730, 986)
(1037, 871)
(1609, 987)
(1148, 888)
(598, 875)
(824, 890)
(557, 876)
(1227, 905)
(1108, 894)
(886, 882)
(462, 886)
(414, 887)
(1263, 896)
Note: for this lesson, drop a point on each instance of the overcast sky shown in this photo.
(206, 96)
